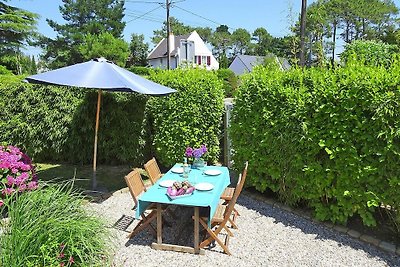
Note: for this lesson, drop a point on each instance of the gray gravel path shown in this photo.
(267, 236)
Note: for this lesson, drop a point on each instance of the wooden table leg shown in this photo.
(159, 224)
(159, 245)
(196, 231)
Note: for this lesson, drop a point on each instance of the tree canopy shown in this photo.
(84, 19)
(17, 29)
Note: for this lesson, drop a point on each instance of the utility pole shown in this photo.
(168, 4)
(303, 31)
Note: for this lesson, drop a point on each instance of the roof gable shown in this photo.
(161, 49)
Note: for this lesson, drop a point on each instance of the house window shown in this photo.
(199, 60)
(161, 61)
(204, 59)
(208, 60)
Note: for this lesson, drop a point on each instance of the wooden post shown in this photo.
(159, 224)
(96, 131)
(196, 231)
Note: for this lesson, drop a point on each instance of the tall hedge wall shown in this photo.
(330, 138)
(57, 123)
(190, 117)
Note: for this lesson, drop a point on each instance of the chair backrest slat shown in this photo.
(238, 190)
(135, 184)
(153, 170)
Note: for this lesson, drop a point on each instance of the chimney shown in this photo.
(171, 42)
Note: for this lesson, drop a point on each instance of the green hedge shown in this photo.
(371, 53)
(326, 137)
(229, 79)
(190, 117)
(57, 123)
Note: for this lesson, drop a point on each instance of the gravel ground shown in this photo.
(267, 236)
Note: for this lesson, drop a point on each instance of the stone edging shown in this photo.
(383, 245)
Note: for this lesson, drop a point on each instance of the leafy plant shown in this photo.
(229, 79)
(49, 227)
(189, 117)
(327, 137)
(17, 173)
(372, 53)
(51, 123)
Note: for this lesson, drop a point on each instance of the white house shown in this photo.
(184, 49)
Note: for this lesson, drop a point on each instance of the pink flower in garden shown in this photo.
(61, 255)
(8, 191)
(14, 170)
(62, 264)
(32, 185)
(71, 260)
(22, 188)
(1, 203)
(10, 180)
(24, 177)
(62, 246)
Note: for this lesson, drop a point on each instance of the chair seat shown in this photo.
(218, 215)
(228, 193)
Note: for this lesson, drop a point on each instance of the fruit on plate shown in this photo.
(180, 188)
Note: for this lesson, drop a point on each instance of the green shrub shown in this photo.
(229, 79)
(49, 226)
(189, 117)
(52, 123)
(4, 71)
(327, 137)
(370, 53)
(142, 71)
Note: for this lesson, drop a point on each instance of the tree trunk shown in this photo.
(334, 41)
(303, 31)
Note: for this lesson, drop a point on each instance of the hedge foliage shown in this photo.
(190, 117)
(330, 138)
(57, 123)
(371, 53)
(229, 79)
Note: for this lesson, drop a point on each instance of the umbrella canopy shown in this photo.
(103, 75)
(100, 74)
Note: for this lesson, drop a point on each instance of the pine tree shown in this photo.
(83, 17)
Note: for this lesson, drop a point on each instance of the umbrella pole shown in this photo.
(95, 138)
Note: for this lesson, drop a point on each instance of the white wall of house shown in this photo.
(201, 56)
(201, 50)
(162, 63)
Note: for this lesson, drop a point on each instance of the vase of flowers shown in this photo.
(196, 155)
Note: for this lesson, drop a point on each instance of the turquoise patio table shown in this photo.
(208, 199)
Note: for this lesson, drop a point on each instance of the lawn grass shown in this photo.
(108, 178)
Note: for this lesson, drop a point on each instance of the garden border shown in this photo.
(380, 244)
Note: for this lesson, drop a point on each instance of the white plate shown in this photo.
(204, 186)
(167, 183)
(177, 170)
(212, 172)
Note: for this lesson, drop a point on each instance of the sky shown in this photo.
(145, 16)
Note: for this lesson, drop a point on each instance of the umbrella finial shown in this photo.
(102, 59)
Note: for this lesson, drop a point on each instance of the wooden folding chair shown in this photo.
(136, 188)
(220, 219)
(153, 170)
(228, 194)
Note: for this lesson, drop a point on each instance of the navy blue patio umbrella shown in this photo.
(99, 74)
